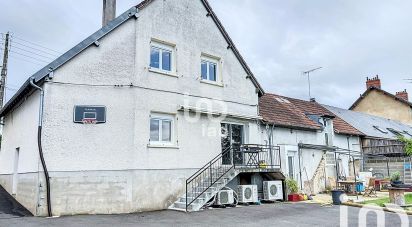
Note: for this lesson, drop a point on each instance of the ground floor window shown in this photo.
(161, 129)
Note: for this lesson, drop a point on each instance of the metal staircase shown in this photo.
(203, 185)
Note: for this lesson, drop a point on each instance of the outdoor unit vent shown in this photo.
(225, 197)
(272, 190)
(247, 193)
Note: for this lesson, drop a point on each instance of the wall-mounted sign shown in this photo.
(89, 114)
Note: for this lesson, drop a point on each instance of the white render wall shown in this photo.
(20, 131)
(109, 168)
(128, 109)
(288, 140)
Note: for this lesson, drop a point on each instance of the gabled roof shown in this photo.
(295, 113)
(93, 39)
(279, 111)
(372, 126)
(40, 75)
(379, 90)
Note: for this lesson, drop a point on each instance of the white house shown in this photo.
(309, 137)
(119, 122)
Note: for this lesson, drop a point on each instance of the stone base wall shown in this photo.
(27, 189)
(114, 192)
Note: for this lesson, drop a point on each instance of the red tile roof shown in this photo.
(292, 113)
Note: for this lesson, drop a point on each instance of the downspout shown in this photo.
(300, 167)
(348, 140)
(39, 133)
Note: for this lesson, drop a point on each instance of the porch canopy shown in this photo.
(338, 151)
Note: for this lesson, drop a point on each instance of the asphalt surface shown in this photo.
(9, 207)
(280, 214)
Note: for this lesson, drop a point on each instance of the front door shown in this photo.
(232, 136)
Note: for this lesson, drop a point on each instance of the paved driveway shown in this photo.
(9, 207)
(264, 215)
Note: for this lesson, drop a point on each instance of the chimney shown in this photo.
(373, 82)
(403, 95)
(109, 11)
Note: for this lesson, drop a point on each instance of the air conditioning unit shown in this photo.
(247, 193)
(225, 197)
(272, 190)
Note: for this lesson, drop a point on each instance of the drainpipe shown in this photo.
(39, 133)
(300, 167)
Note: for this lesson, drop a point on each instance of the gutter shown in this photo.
(39, 133)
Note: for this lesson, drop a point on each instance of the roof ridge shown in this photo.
(381, 90)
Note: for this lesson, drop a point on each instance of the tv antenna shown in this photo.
(308, 74)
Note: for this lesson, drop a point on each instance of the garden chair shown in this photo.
(370, 190)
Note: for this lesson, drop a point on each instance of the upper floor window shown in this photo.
(161, 56)
(209, 69)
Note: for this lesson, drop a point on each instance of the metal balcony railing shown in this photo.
(250, 156)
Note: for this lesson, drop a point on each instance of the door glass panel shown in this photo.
(291, 167)
(232, 136)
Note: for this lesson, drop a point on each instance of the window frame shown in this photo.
(162, 118)
(163, 47)
(211, 60)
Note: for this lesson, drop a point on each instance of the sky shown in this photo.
(349, 39)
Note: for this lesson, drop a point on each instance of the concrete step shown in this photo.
(198, 200)
(180, 205)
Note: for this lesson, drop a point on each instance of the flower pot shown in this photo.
(293, 198)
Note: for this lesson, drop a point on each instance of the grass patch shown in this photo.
(381, 202)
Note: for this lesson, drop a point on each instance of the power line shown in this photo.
(37, 59)
(35, 44)
(43, 56)
(54, 55)
(25, 60)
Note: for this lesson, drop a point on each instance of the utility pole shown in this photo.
(4, 70)
(308, 74)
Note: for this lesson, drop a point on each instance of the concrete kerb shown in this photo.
(376, 208)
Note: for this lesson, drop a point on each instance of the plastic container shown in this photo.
(360, 187)
(336, 196)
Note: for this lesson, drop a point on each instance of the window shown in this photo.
(407, 133)
(330, 159)
(209, 70)
(161, 129)
(380, 129)
(161, 57)
(397, 133)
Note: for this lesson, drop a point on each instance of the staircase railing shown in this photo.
(244, 156)
(206, 177)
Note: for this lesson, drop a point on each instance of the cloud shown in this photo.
(279, 39)
(349, 39)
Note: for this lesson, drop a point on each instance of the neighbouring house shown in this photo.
(378, 102)
(381, 148)
(315, 144)
(146, 113)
